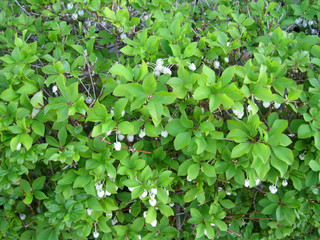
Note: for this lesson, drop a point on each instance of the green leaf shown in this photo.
(208, 170)
(126, 127)
(174, 127)
(193, 171)
(155, 109)
(241, 149)
(315, 166)
(262, 151)
(281, 166)
(283, 154)
(94, 204)
(238, 135)
(166, 210)
(38, 183)
(210, 74)
(304, 131)
(201, 92)
(151, 215)
(38, 127)
(81, 181)
(227, 203)
(149, 84)
(182, 140)
(121, 70)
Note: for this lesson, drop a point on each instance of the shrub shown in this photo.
(161, 119)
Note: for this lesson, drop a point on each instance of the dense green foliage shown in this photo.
(159, 119)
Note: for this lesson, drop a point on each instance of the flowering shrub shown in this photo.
(159, 119)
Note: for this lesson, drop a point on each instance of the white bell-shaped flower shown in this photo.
(226, 59)
(22, 216)
(273, 189)
(152, 202)
(54, 89)
(159, 62)
(192, 67)
(216, 64)
(117, 146)
(70, 6)
(95, 234)
(266, 104)
(18, 147)
(120, 137)
(130, 138)
(89, 211)
(154, 191)
(100, 193)
(74, 16)
(301, 156)
(131, 188)
(247, 182)
(164, 133)
(258, 181)
(166, 70)
(80, 12)
(154, 223)
(142, 133)
(144, 194)
(107, 193)
(276, 105)
(285, 182)
(123, 113)
(123, 35)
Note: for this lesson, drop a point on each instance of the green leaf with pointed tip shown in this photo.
(155, 109)
(201, 92)
(182, 140)
(151, 215)
(121, 70)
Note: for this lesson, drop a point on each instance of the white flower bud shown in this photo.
(95, 234)
(228, 44)
(123, 35)
(123, 113)
(120, 137)
(107, 193)
(298, 21)
(192, 67)
(301, 156)
(154, 191)
(120, 29)
(130, 138)
(34, 113)
(156, 73)
(266, 104)
(54, 89)
(22, 216)
(164, 133)
(276, 105)
(273, 189)
(80, 12)
(152, 202)
(142, 133)
(228, 193)
(247, 182)
(154, 223)
(131, 188)
(166, 70)
(88, 100)
(258, 181)
(98, 186)
(114, 221)
(89, 211)
(145, 214)
(145, 17)
(144, 194)
(220, 189)
(216, 64)
(171, 204)
(249, 108)
(159, 62)
(226, 59)
(100, 193)
(70, 6)
(18, 147)
(74, 16)
(117, 146)
(284, 182)
(139, 237)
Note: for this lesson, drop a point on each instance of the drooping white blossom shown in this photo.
(285, 182)
(54, 89)
(154, 223)
(266, 104)
(258, 181)
(166, 70)
(18, 147)
(107, 193)
(226, 59)
(192, 67)
(216, 64)
(142, 133)
(22, 216)
(70, 6)
(117, 146)
(273, 189)
(276, 105)
(80, 12)
(152, 202)
(89, 211)
(164, 133)
(95, 234)
(247, 182)
(120, 137)
(100, 193)
(130, 138)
